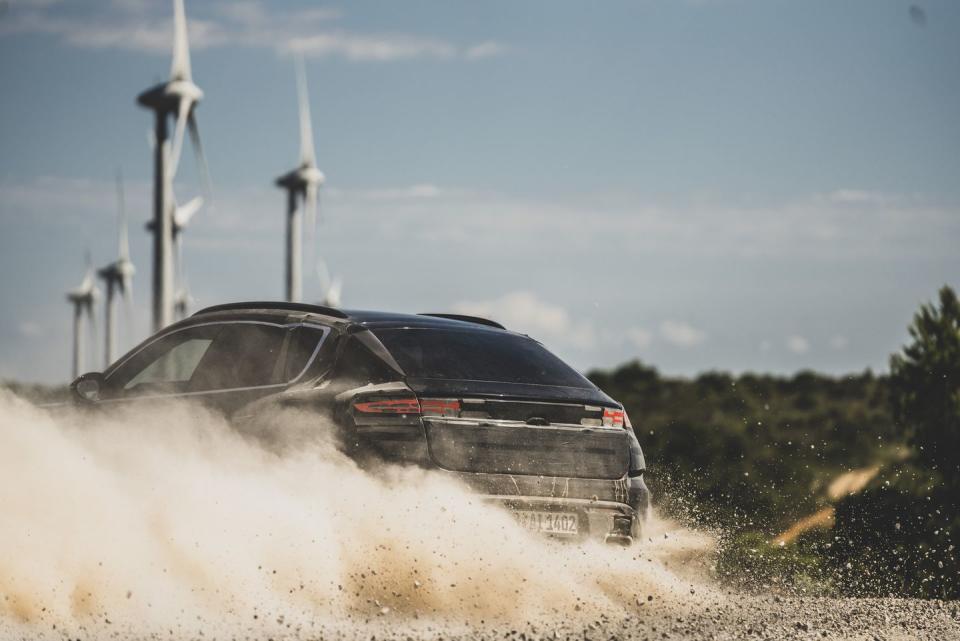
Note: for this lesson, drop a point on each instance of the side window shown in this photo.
(164, 366)
(305, 342)
(174, 366)
(359, 366)
(242, 355)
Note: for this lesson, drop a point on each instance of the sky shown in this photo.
(738, 185)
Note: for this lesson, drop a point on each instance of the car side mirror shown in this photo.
(87, 387)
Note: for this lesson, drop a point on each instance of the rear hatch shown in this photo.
(525, 438)
(499, 403)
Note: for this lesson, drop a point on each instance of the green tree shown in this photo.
(925, 385)
(899, 534)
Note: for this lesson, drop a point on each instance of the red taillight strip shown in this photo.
(441, 406)
(389, 406)
(613, 418)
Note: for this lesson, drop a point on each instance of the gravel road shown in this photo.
(748, 617)
(734, 617)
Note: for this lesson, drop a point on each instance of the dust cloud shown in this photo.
(169, 522)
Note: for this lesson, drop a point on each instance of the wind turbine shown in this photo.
(303, 187)
(83, 298)
(178, 97)
(118, 277)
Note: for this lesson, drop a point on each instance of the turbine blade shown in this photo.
(127, 331)
(323, 274)
(126, 287)
(317, 211)
(183, 114)
(180, 67)
(188, 298)
(201, 158)
(312, 204)
(87, 285)
(334, 293)
(307, 155)
(178, 260)
(183, 299)
(183, 213)
(91, 310)
(331, 287)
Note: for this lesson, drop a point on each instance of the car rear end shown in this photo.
(508, 418)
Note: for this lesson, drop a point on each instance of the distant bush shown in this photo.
(903, 530)
(753, 452)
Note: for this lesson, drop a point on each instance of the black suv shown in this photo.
(442, 391)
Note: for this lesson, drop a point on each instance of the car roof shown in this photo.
(365, 318)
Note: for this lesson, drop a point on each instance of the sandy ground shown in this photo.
(732, 617)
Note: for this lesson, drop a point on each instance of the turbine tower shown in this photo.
(303, 187)
(177, 97)
(83, 299)
(118, 277)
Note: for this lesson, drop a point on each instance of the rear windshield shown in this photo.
(477, 356)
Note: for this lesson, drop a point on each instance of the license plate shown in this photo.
(547, 522)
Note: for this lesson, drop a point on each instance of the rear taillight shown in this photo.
(440, 406)
(409, 405)
(389, 406)
(613, 417)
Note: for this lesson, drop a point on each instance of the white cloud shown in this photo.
(412, 192)
(255, 15)
(141, 26)
(488, 49)
(524, 312)
(30, 329)
(501, 224)
(57, 198)
(839, 342)
(808, 228)
(857, 197)
(639, 337)
(36, 3)
(798, 344)
(124, 31)
(377, 48)
(681, 334)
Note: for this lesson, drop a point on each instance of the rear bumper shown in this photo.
(612, 511)
(609, 509)
(608, 521)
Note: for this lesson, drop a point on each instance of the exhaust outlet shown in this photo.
(622, 532)
(623, 540)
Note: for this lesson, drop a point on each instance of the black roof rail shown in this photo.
(468, 319)
(293, 307)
